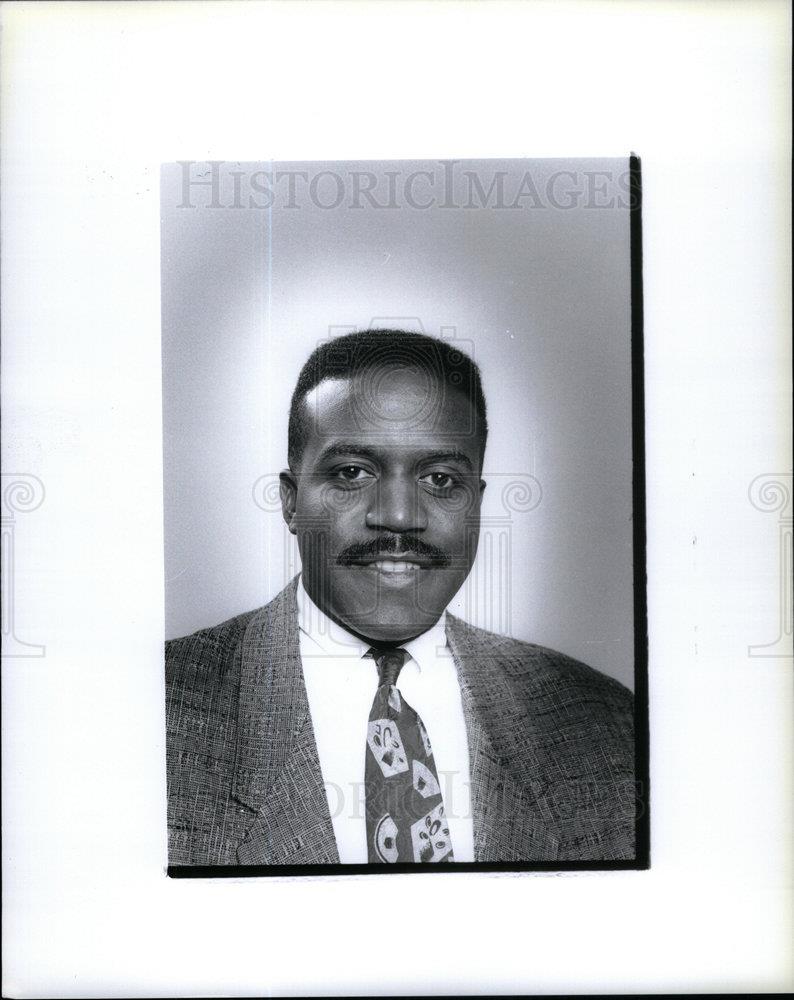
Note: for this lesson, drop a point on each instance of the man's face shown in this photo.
(386, 502)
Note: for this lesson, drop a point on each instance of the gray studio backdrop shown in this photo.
(524, 262)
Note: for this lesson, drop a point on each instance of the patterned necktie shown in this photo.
(404, 807)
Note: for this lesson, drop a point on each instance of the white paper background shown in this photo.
(94, 97)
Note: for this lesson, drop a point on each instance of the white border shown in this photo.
(94, 97)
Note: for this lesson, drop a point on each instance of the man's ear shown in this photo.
(483, 484)
(288, 491)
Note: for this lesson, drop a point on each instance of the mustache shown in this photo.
(393, 545)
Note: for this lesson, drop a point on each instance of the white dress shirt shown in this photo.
(341, 681)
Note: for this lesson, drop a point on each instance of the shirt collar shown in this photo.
(334, 640)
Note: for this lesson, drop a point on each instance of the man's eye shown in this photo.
(439, 480)
(353, 474)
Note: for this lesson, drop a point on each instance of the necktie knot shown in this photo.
(390, 662)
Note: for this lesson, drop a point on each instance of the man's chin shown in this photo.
(385, 614)
(387, 624)
(391, 634)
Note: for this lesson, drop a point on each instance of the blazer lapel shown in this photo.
(277, 768)
(507, 822)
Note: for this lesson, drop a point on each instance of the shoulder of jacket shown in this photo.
(533, 666)
(205, 653)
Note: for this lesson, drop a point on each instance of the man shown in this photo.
(353, 719)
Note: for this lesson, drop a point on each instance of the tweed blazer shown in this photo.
(551, 749)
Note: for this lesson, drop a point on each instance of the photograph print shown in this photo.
(404, 516)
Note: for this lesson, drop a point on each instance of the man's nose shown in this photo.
(397, 506)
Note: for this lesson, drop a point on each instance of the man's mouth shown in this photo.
(392, 565)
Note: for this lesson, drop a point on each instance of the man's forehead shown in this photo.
(388, 403)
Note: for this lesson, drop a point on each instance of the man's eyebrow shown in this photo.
(348, 448)
(343, 448)
(449, 456)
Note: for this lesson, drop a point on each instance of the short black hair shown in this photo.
(370, 350)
